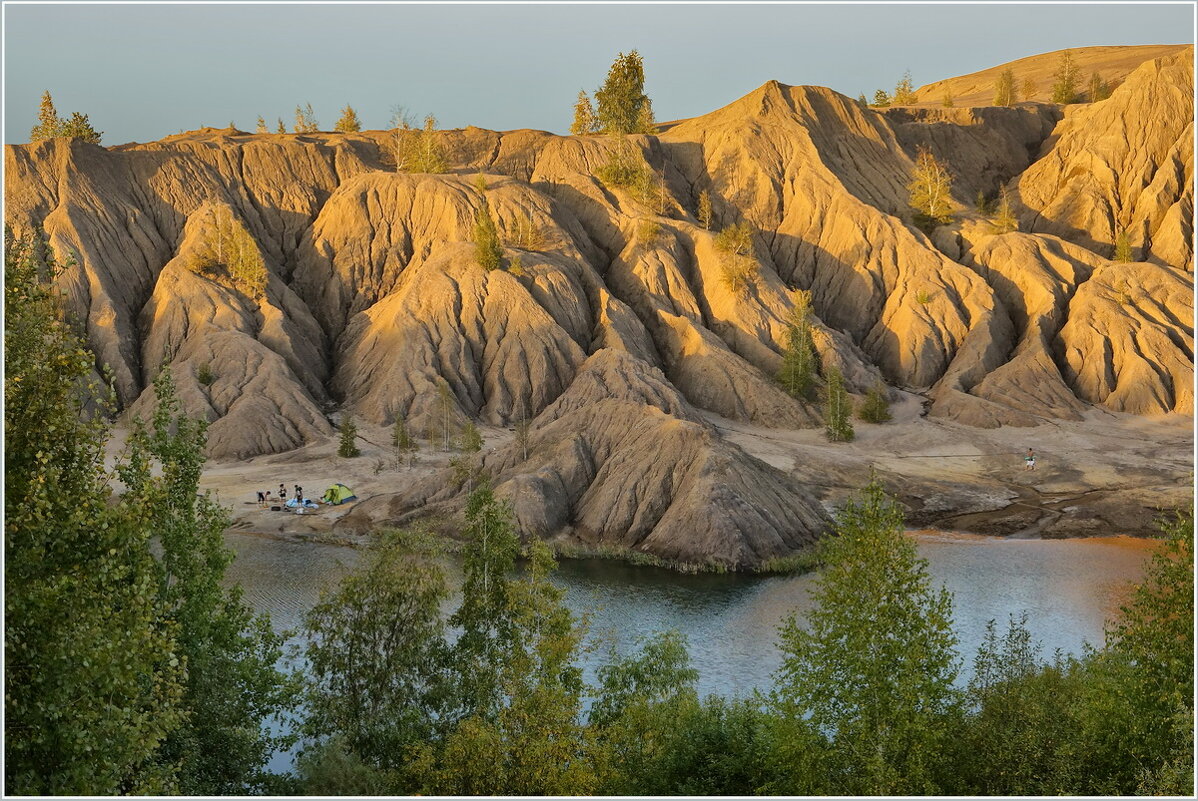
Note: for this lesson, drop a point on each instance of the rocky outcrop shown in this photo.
(614, 321)
(1123, 164)
(621, 462)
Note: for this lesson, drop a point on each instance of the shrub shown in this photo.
(526, 235)
(487, 249)
(625, 169)
(923, 297)
(738, 266)
(647, 232)
(876, 408)
(205, 375)
(480, 182)
(228, 252)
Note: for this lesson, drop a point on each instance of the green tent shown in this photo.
(338, 494)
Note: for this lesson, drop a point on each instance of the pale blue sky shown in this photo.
(146, 71)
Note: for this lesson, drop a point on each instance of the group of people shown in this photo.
(269, 498)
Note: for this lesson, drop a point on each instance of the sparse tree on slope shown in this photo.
(1122, 250)
(1064, 90)
(77, 126)
(881, 99)
(1004, 88)
(838, 407)
(904, 91)
(305, 120)
(705, 211)
(622, 107)
(1028, 90)
(798, 360)
(281, 127)
(1005, 222)
(262, 126)
(1099, 89)
(48, 123)
(403, 442)
(488, 250)
(584, 116)
(931, 188)
(349, 122)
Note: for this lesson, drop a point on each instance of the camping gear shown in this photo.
(338, 494)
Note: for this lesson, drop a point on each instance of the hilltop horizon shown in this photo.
(250, 70)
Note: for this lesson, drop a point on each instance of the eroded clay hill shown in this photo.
(613, 326)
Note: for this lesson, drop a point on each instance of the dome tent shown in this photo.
(338, 494)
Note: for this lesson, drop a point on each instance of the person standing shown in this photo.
(299, 493)
(1029, 461)
(282, 492)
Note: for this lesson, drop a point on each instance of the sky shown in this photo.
(145, 71)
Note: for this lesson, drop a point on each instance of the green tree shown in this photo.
(377, 653)
(904, 91)
(622, 106)
(1020, 725)
(1122, 249)
(585, 121)
(1150, 654)
(488, 251)
(1004, 88)
(931, 191)
(1028, 90)
(472, 438)
(349, 122)
(484, 615)
(347, 444)
(838, 407)
(865, 690)
(403, 442)
(1098, 88)
(947, 99)
(93, 677)
(876, 408)
(48, 123)
(638, 703)
(232, 686)
(281, 127)
(262, 126)
(798, 373)
(418, 150)
(526, 737)
(1005, 220)
(881, 99)
(862, 101)
(1064, 88)
(77, 126)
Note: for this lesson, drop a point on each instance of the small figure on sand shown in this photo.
(299, 493)
(261, 499)
(282, 492)
(1029, 461)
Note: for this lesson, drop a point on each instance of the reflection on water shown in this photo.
(1069, 588)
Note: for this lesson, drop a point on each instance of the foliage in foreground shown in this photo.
(128, 670)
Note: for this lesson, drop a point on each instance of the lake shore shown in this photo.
(1109, 474)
